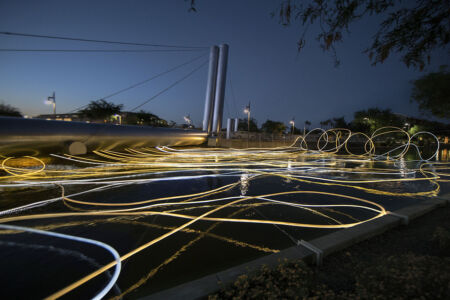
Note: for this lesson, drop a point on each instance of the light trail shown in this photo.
(220, 180)
(117, 261)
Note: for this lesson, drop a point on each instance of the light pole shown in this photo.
(188, 120)
(407, 125)
(247, 111)
(366, 121)
(52, 100)
(292, 122)
(117, 116)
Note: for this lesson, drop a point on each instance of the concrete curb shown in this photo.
(209, 284)
(328, 244)
(445, 197)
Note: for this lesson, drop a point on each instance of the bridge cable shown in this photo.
(143, 81)
(104, 50)
(171, 86)
(95, 41)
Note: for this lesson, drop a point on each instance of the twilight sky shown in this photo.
(264, 66)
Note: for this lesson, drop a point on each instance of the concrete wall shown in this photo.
(36, 136)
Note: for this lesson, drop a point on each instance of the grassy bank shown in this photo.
(409, 262)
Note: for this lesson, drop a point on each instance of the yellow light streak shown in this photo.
(323, 169)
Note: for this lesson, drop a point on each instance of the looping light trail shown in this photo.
(111, 250)
(303, 177)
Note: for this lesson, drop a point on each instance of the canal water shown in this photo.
(255, 202)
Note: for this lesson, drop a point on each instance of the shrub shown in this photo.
(442, 237)
(291, 280)
(405, 276)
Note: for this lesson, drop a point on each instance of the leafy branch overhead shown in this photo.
(411, 28)
(432, 93)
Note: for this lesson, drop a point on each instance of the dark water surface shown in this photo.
(35, 266)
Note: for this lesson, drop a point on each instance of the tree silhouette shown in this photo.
(326, 123)
(373, 118)
(273, 127)
(432, 92)
(340, 123)
(8, 110)
(412, 28)
(243, 125)
(101, 109)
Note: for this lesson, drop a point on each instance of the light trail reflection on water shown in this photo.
(176, 214)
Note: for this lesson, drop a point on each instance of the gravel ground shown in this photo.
(408, 262)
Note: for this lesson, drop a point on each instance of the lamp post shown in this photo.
(408, 126)
(188, 120)
(117, 116)
(292, 122)
(247, 111)
(52, 100)
(366, 122)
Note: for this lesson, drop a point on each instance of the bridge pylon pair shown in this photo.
(215, 89)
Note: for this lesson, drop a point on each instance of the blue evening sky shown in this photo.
(264, 66)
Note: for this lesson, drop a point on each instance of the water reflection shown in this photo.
(189, 204)
(244, 184)
(443, 155)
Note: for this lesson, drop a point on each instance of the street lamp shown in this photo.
(117, 116)
(292, 122)
(52, 100)
(247, 111)
(407, 125)
(188, 120)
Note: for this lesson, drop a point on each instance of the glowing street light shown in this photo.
(247, 111)
(188, 120)
(117, 116)
(408, 126)
(51, 100)
(292, 122)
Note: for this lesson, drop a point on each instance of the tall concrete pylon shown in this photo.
(220, 88)
(210, 89)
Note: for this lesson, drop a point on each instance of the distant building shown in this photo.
(143, 118)
(64, 117)
(127, 118)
